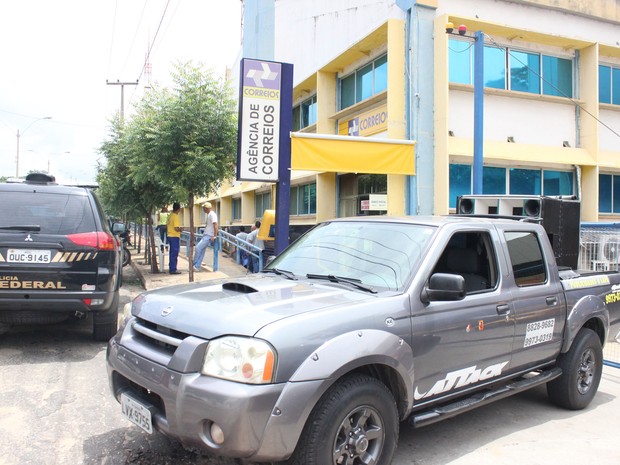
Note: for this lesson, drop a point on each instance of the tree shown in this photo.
(180, 144)
(194, 145)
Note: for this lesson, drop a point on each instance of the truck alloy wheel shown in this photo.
(582, 367)
(354, 423)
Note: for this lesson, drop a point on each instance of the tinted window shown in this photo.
(524, 72)
(557, 76)
(604, 193)
(604, 84)
(54, 213)
(526, 258)
(494, 67)
(460, 61)
(460, 182)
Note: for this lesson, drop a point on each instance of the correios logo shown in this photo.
(458, 379)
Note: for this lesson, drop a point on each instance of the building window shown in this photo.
(527, 71)
(363, 83)
(516, 181)
(303, 200)
(609, 193)
(236, 209)
(609, 84)
(525, 182)
(262, 202)
(304, 115)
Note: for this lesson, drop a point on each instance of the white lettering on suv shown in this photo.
(459, 378)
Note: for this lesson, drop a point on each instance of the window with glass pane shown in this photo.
(615, 86)
(460, 182)
(262, 202)
(493, 180)
(380, 74)
(311, 112)
(297, 118)
(616, 194)
(236, 209)
(604, 193)
(525, 182)
(524, 71)
(363, 84)
(604, 84)
(309, 199)
(557, 182)
(557, 76)
(494, 67)
(293, 202)
(459, 56)
(347, 91)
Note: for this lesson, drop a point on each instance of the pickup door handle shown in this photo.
(553, 300)
(503, 309)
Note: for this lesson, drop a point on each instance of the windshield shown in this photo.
(54, 213)
(378, 254)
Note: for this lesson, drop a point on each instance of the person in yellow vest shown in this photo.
(162, 225)
(174, 237)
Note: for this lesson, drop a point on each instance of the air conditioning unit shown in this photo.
(608, 253)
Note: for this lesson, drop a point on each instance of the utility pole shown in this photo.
(122, 84)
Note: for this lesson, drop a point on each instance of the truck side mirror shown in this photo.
(444, 287)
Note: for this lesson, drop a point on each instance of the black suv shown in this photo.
(58, 258)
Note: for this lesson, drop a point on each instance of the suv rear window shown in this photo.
(55, 213)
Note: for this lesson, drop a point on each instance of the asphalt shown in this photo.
(227, 267)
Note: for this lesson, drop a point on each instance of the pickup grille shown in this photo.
(159, 336)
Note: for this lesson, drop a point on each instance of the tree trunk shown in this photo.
(190, 257)
(152, 245)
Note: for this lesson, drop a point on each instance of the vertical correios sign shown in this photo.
(259, 120)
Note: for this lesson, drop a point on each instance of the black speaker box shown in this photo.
(560, 216)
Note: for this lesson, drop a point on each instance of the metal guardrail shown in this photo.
(241, 247)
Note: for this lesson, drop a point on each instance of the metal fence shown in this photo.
(600, 251)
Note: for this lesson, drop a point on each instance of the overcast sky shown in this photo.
(56, 56)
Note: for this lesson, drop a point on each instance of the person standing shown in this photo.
(209, 235)
(173, 229)
(242, 236)
(162, 225)
(255, 241)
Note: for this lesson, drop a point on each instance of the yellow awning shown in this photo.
(320, 152)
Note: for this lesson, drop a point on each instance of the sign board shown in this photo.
(377, 202)
(259, 120)
(365, 205)
(365, 124)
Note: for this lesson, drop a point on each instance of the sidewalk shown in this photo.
(227, 268)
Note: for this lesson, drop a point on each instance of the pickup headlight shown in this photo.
(241, 359)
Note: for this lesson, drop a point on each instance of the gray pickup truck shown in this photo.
(361, 324)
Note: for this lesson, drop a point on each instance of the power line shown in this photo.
(148, 54)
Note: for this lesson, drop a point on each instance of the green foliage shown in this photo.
(180, 144)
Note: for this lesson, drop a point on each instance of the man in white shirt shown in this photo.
(209, 235)
(255, 241)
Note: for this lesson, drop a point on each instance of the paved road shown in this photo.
(56, 409)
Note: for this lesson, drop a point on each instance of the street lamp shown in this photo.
(18, 136)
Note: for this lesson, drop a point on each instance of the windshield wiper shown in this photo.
(341, 279)
(287, 274)
(25, 227)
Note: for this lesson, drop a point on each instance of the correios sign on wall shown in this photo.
(259, 120)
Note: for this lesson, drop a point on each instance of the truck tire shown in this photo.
(355, 422)
(582, 367)
(105, 324)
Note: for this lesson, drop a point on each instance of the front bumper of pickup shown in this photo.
(259, 422)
